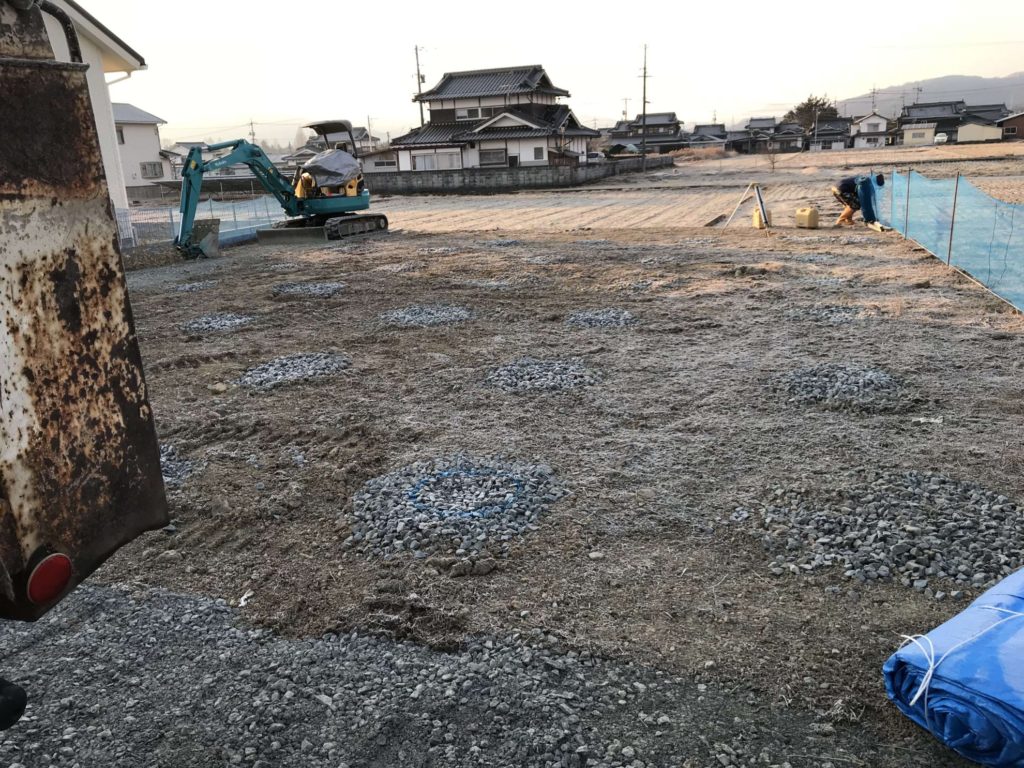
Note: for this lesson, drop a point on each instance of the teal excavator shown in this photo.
(325, 191)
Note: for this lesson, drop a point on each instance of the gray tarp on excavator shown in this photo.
(333, 168)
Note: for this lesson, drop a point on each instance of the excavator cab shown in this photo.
(336, 171)
(79, 460)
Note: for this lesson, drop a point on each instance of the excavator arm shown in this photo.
(242, 153)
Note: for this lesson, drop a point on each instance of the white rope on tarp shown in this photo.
(929, 650)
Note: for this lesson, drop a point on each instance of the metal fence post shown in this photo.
(952, 220)
(170, 220)
(906, 215)
(234, 212)
(892, 197)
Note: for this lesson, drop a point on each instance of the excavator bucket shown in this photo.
(79, 460)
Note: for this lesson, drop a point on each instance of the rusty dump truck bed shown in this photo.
(79, 460)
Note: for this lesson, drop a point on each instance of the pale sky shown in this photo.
(215, 64)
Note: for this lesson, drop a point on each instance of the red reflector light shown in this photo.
(49, 579)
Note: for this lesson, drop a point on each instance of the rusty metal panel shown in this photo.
(79, 460)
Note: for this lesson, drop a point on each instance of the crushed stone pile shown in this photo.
(201, 285)
(314, 290)
(175, 468)
(601, 318)
(927, 531)
(457, 506)
(225, 321)
(827, 313)
(839, 386)
(423, 316)
(294, 368)
(528, 374)
(122, 677)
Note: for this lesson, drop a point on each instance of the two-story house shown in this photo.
(832, 133)
(958, 121)
(708, 135)
(870, 131)
(138, 143)
(658, 131)
(494, 118)
(788, 137)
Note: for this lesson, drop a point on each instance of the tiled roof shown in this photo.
(491, 82)
(761, 122)
(550, 123)
(656, 118)
(129, 114)
(710, 129)
(429, 135)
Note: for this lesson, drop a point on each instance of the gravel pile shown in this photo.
(529, 374)
(422, 316)
(202, 285)
(927, 531)
(832, 314)
(442, 250)
(293, 368)
(174, 468)
(496, 284)
(121, 679)
(501, 243)
(842, 387)
(600, 318)
(402, 267)
(459, 506)
(315, 290)
(225, 321)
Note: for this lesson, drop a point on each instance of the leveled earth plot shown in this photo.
(667, 496)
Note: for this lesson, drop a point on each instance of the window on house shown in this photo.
(467, 113)
(538, 153)
(424, 162)
(448, 161)
(871, 140)
(917, 134)
(384, 163)
(493, 157)
(152, 170)
(826, 145)
(1010, 130)
(874, 127)
(120, 135)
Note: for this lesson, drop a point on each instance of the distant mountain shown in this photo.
(1007, 90)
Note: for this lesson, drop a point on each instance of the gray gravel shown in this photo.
(120, 678)
(201, 285)
(827, 313)
(842, 387)
(294, 368)
(174, 468)
(528, 374)
(926, 531)
(423, 316)
(459, 506)
(225, 321)
(601, 318)
(314, 290)
(501, 243)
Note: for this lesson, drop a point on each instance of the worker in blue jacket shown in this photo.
(857, 193)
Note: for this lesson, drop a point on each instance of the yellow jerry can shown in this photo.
(758, 224)
(807, 218)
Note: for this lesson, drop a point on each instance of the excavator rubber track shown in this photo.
(345, 226)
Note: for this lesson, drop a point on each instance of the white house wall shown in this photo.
(141, 145)
(974, 132)
(101, 108)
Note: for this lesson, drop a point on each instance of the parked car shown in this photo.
(595, 157)
(941, 138)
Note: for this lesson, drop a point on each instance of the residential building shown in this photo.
(949, 117)
(917, 134)
(138, 143)
(870, 131)
(659, 131)
(830, 134)
(1013, 126)
(106, 54)
(976, 129)
(788, 137)
(494, 118)
(380, 160)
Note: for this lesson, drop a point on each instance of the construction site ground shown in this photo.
(644, 562)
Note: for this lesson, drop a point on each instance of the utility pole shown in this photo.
(643, 120)
(874, 91)
(917, 93)
(369, 133)
(252, 132)
(625, 109)
(419, 83)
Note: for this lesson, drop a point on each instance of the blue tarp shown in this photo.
(964, 681)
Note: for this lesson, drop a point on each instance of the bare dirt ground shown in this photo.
(681, 429)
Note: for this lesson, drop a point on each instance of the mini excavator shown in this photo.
(326, 190)
(79, 460)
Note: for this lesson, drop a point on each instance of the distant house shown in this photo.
(659, 131)
(870, 131)
(917, 134)
(708, 135)
(754, 138)
(138, 143)
(830, 134)
(379, 160)
(788, 137)
(494, 118)
(105, 53)
(1013, 126)
(949, 117)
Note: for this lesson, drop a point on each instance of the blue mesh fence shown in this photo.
(985, 237)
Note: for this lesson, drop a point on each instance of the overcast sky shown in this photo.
(215, 64)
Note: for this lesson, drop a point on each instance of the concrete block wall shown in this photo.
(484, 180)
